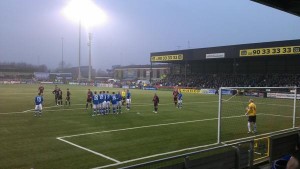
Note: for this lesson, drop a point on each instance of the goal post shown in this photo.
(276, 109)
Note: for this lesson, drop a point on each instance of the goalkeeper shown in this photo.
(251, 113)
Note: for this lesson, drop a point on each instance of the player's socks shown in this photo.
(254, 127)
(249, 127)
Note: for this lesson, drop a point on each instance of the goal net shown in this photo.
(276, 111)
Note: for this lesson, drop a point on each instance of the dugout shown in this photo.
(281, 57)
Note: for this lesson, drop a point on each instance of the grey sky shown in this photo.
(31, 30)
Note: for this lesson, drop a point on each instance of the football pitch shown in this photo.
(69, 137)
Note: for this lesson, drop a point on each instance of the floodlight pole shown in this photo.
(90, 55)
(62, 54)
(79, 72)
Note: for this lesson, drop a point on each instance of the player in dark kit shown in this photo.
(89, 99)
(155, 101)
(56, 94)
(68, 98)
(175, 95)
(41, 89)
(59, 100)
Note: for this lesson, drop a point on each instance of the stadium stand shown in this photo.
(221, 80)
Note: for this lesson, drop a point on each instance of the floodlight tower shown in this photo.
(90, 55)
(62, 54)
(79, 52)
(88, 13)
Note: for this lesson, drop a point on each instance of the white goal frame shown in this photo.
(232, 88)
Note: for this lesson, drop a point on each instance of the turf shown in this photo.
(32, 142)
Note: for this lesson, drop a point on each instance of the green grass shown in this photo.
(31, 142)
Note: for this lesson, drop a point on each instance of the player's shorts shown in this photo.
(95, 106)
(38, 107)
(175, 99)
(89, 100)
(252, 119)
(155, 104)
(115, 105)
(128, 101)
(107, 103)
(119, 103)
(179, 101)
(123, 99)
(68, 98)
(60, 97)
(101, 105)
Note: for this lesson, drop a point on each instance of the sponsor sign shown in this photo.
(226, 92)
(282, 95)
(286, 50)
(215, 55)
(190, 90)
(104, 85)
(254, 94)
(149, 88)
(167, 58)
(125, 87)
(208, 91)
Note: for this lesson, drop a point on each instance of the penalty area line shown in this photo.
(156, 155)
(89, 150)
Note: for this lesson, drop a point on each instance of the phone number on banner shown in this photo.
(167, 58)
(287, 50)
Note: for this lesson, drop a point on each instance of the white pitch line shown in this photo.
(136, 105)
(91, 151)
(158, 125)
(276, 115)
(31, 110)
(155, 155)
(140, 127)
(268, 104)
(166, 153)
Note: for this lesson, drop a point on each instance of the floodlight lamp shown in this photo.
(84, 11)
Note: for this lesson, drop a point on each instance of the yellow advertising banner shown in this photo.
(286, 50)
(190, 90)
(166, 58)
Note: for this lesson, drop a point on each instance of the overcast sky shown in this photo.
(31, 30)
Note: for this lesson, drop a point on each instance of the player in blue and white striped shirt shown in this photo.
(179, 98)
(119, 100)
(38, 104)
(101, 103)
(95, 103)
(128, 100)
(108, 101)
(114, 102)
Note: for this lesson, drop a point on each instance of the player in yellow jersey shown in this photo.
(251, 113)
(123, 94)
